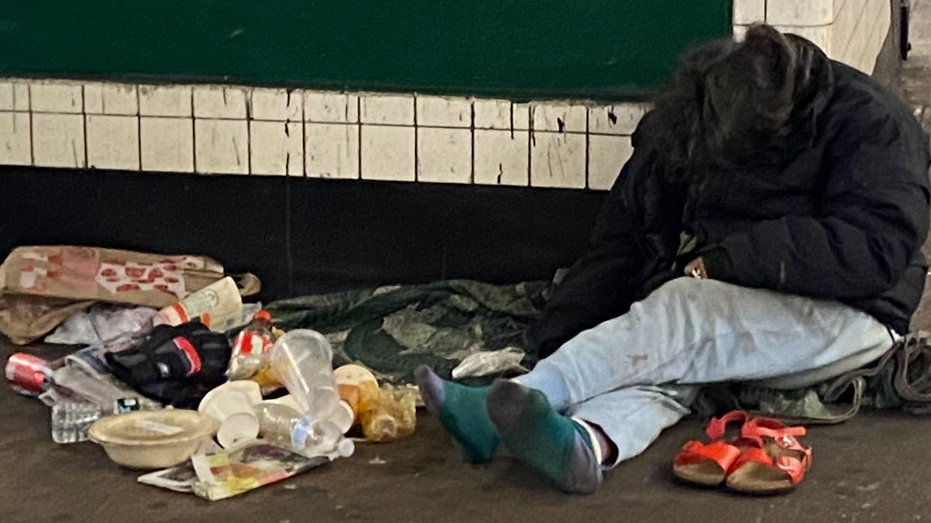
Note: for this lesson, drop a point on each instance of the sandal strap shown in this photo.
(722, 454)
(718, 426)
(758, 428)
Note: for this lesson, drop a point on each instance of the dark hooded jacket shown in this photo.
(844, 218)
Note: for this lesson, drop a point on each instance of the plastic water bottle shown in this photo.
(250, 347)
(72, 420)
(285, 425)
(303, 361)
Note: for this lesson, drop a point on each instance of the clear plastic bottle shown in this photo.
(71, 420)
(285, 425)
(302, 360)
(250, 347)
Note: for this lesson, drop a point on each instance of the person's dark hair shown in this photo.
(731, 104)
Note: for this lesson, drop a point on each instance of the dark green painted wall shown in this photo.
(516, 48)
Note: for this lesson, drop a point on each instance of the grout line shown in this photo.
(193, 135)
(448, 127)
(84, 121)
(32, 127)
(359, 117)
(531, 141)
(416, 143)
(472, 135)
(588, 151)
(304, 123)
(138, 128)
(248, 102)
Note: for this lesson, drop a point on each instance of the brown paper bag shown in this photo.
(41, 286)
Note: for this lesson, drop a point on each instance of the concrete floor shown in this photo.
(872, 468)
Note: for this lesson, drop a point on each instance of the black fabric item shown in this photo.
(174, 365)
(844, 219)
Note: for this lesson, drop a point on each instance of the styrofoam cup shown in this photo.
(233, 409)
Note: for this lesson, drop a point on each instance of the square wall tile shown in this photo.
(558, 117)
(219, 101)
(330, 107)
(557, 160)
(167, 144)
(387, 153)
(749, 11)
(331, 150)
(15, 147)
(277, 105)
(444, 155)
(221, 146)
(113, 142)
(277, 148)
(621, 119)
(805, 13)
(501, 114)
(114, 99)
(849, 23)
(740, 32)
(502, 157)
(388, 109)
(606, 156)
(165, 100)
(58, 140)
(14, 95)
(437, 111)
(56, 97)
(865, 44)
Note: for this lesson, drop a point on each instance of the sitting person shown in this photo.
(768, 228)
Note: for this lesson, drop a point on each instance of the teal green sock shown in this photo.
(539, 436)
(462, 412)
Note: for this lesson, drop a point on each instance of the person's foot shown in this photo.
(539, 436)
(462, 412)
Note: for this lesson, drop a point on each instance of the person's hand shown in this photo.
(696, 269)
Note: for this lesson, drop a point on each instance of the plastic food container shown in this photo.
(153, 439)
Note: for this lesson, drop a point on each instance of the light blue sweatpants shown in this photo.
(638, 373)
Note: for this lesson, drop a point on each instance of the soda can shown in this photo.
(28, 375)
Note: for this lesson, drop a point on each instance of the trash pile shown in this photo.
(178, 376)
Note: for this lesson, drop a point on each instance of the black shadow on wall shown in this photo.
(304, 235)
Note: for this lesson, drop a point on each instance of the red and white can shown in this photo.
(28, 375)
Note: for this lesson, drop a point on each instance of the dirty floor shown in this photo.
(873, 467)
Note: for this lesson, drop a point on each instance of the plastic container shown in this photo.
(153, 439)
(250, 347)
(71, 420)
(302, 361)
(280, 423)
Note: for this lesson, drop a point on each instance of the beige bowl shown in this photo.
(153, 439)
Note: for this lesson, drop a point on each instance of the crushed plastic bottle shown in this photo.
(389, 415)
(284, 425)
(250, 347)
(71, 420)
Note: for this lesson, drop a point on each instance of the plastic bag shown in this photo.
(103, 322)
(490, 362)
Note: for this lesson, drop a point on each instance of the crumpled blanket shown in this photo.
(393, 329)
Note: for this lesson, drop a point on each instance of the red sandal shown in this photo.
(774, 463)
(708, 464)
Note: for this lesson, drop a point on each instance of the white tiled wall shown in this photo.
(851, 31)
(212, 129)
